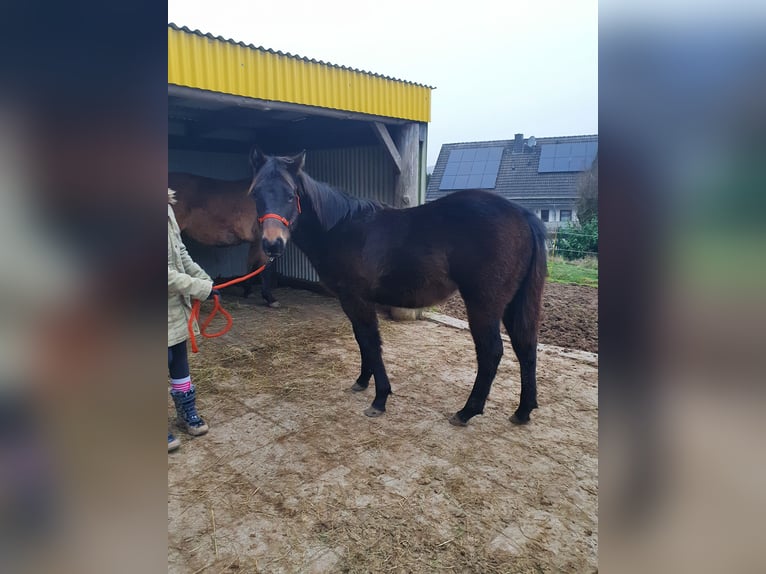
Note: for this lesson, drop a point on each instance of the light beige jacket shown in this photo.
(186, 281)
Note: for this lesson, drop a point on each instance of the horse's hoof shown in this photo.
(457, 421)
(357, 388)
(515, 419)
(274, 304)
(373, 412)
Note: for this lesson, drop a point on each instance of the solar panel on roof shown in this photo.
(461, 182)
(472, 168)
(567, 157)
(487, 182)
(464, 167)
(491, 166)
(474, 181)
(546, 164)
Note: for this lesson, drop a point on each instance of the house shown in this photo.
(539, 173)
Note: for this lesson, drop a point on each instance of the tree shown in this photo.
(587, 190)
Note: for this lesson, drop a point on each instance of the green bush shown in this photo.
(576, 241)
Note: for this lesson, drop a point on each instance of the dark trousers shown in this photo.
(178, 361)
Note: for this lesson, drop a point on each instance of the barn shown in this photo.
(364, 133)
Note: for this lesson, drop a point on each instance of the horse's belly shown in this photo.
(413, 290)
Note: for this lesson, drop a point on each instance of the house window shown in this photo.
(565, 215)
(545, 215)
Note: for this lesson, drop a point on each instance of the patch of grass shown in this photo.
(581, 272)
(586, 262)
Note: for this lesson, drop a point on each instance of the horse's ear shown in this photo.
(296, 163)
(257, 159)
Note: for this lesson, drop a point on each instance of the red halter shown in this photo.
(279, 218)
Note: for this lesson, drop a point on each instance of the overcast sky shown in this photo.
(499, 68)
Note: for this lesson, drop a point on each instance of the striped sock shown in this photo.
(183, 384)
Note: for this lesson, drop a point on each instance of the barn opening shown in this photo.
(363, 132)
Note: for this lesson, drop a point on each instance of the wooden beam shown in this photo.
(219, 122)
(381, 131)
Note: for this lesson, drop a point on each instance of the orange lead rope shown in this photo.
(216, 309)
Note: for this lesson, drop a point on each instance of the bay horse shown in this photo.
(477, 242)
(221, 213)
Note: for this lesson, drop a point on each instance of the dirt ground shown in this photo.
(570, 315)
(292, 477)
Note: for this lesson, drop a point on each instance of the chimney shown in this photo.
(518, 143)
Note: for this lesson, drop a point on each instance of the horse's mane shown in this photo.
(330, 205)
(333, 205)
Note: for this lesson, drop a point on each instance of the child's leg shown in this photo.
(178, 365)
(183, 392)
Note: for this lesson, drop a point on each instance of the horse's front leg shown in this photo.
(255, 258)
(363, 380)
(365, 324)
(268, 296)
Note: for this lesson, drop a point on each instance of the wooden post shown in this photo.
(423, 158)
(406, 183)
(406, 190)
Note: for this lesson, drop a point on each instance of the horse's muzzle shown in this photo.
(274, 236)
(274, 248)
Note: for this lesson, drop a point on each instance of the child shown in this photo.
(186, 281)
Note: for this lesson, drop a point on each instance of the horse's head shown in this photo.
(275, 190)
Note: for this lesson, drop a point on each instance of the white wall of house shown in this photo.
(554, 215)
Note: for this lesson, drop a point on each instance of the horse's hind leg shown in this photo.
(365, 324)
(247, 289)
(485, 329)
(523, 333)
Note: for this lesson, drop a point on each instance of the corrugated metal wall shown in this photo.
(220, 261)
(209, 63)
(362, 171)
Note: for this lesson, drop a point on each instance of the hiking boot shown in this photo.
(173, 442)
(186, 409)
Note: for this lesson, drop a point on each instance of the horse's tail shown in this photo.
(522, 315)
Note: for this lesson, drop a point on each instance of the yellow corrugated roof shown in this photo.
(206, 62)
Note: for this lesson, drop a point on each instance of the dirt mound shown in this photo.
(570, 315)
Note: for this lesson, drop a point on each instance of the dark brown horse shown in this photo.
(221, 213)
(488, 248)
